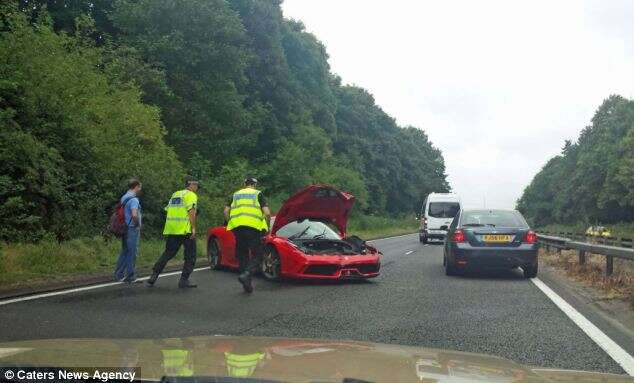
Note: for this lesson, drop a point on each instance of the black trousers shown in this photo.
(248, 240)
(172, 245)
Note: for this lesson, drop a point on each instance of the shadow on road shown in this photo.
(308, 282)
(326, 282)
(303, 282)
(494, 274)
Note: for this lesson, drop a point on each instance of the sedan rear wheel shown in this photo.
(530, 271)
(271, 264)
(213, 254)
(450, 269)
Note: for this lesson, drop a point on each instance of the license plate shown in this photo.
(498, 238)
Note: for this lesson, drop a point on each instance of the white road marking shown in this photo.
(85, 288)
(616, 352)
(409, 252)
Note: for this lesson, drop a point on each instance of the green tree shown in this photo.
(70, 136)
(201, 47)
(591, 180)
(231, 86)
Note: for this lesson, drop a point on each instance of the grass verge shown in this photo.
(370, 227)
(51, 261)
(47, 262)
(620, 285)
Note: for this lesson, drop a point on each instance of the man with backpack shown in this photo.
(129, 210)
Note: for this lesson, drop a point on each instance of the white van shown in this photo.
(438, 210)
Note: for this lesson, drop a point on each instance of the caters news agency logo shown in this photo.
(8, 374)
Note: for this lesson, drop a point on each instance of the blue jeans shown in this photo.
(127, 257)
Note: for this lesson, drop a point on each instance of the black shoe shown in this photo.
(186, 284)
(152, 279)
(132, 281)
(245, 279)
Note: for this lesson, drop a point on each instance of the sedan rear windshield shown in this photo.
(497, 218)
(443, 209)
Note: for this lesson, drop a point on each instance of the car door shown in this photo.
(450, 231)
(228, 248)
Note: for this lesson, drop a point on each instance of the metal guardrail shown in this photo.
(582, 237)
(583, 248)
(549, 241)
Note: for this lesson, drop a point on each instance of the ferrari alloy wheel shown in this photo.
(271, 264)
(213, 254)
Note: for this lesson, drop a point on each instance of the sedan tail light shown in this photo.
(458, 236)
(530, 237)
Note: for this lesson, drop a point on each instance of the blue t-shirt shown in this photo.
(132, 203)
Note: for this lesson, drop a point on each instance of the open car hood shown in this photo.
(257, 359)
(321, 202)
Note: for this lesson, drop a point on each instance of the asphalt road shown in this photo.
(411, 303)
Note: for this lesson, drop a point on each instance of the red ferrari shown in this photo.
(307, 240)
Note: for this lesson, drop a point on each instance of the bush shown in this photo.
(70, 136)
(370, 227)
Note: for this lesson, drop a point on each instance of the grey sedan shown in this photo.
(490, 239)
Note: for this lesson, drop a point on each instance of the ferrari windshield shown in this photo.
(307, 229)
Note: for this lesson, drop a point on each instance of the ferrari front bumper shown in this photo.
(340, 271)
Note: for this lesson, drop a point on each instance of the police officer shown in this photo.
(248, 217)
(180, 229)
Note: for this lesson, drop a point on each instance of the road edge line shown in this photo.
(108, 284)
(616, 352)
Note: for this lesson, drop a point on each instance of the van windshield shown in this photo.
(443, 209)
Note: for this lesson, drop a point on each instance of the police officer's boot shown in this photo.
(152, 279)
(186, 284)
(245, 279)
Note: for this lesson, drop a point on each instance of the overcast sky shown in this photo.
(497, 85)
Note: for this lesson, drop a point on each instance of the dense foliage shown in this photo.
(69, 135)
(593, 179)
(93, 92)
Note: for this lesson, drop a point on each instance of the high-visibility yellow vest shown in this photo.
(177, 221)
(246, 210)
(242, 366)
(176, 363)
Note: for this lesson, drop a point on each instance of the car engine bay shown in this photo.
(322, 246)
